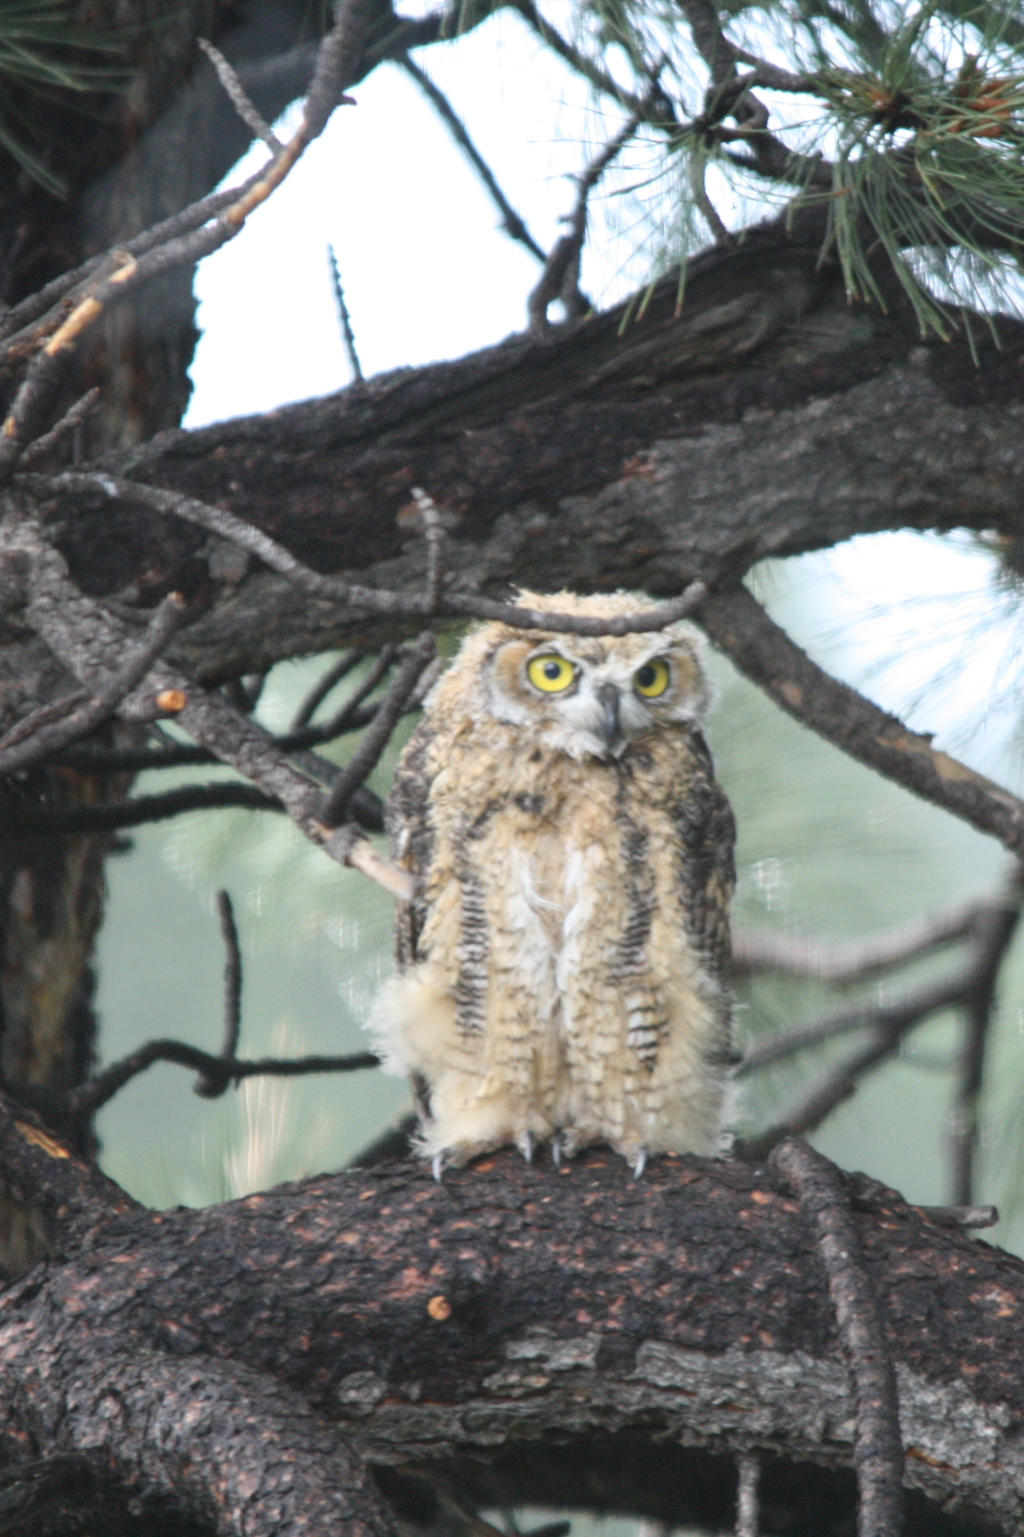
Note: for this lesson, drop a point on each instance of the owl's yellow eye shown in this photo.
(551, 673)
(651, 679)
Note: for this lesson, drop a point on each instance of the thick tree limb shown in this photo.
(482, 1327)
(631, 451)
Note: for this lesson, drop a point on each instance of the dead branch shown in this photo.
(121, 271)
(511, 221)
(878, 1452)
(38, 736)
(84, 635)
(760, 648)
(138, 811)
(845, 961)
(368, 754)
(560, 278)
(344, 318)
(433, 533)
(73, 417)
(489, 1330)
(324, 686)
(353, 595)
(239, 98)
(91, 1096)
(994, 930)
(748, 1470)
(890, 1020)
(659, 111)
(212, 1085)
(971, 988)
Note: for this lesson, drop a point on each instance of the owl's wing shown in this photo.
(412, 838)
(708, 836)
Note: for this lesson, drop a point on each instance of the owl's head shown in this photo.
(591, 696)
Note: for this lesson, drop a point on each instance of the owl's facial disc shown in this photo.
(591, 700)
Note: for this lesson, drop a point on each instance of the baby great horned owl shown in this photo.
(563, 967)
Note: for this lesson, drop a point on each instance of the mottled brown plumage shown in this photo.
(563, 967)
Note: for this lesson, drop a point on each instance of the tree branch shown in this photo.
(878, 1451)
(855, 960)
(37, 736)
(84, 635)
(506, 1332)
(765, 653)
(217, 1069)
(511, 221)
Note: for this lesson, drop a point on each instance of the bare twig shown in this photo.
(83, 634)
(24, 325)
(212, 1085)
(344, 318)
(891, 1020)
(350, 594)
(698, 189)
(971, 988)
(90, 1097)
(748, 1518)
(995, 928)
(365, 759)
(837, 1085)
(36, 737)
(658, 111)
(337, 64)
(58, 821)
(73, 417)
(521, 617)
(512, 222)
(240, 99)
(757, 950)
(245, 535)
(92, 758)
(759, 648)
(560, 278)
(878, 1447)
(318, 693)
(43, 376)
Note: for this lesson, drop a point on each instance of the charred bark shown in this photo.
(767, 417)
(520, 1334)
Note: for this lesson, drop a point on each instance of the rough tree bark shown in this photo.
(518, 1334)
(767, 418)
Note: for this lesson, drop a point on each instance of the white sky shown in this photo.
(429, 274)
(426, 269)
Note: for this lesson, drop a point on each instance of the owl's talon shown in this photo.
(556, 1151)
(641, 1163)
(437, 1166)
(526, 1145)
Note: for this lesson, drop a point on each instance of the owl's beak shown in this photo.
(610, 728)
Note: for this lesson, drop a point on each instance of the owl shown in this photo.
(563, 966)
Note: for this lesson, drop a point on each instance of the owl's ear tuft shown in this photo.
(697, 694)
